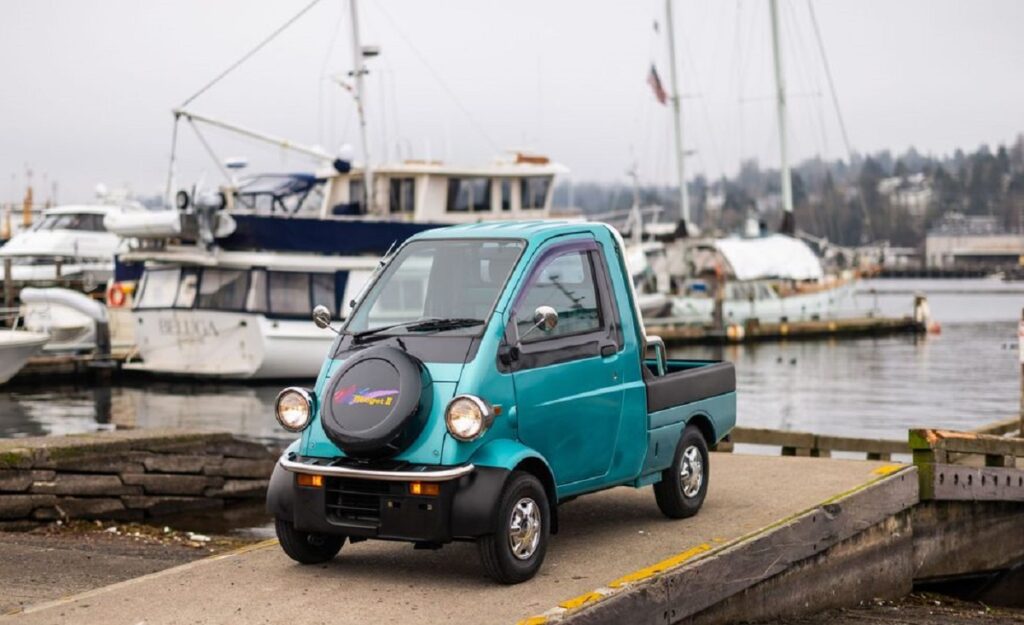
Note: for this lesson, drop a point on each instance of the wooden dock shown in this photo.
(679, 333)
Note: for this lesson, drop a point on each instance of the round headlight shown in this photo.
(468, 417)
(294, 408)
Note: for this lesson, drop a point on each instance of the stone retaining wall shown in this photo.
(128, 474)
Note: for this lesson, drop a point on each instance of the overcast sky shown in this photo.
(88, 85)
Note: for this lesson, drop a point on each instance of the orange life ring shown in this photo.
(116, 295)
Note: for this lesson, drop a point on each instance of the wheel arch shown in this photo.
(704, 425)
(514, 456)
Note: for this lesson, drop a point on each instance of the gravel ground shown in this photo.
(915, 609)
(55, 561)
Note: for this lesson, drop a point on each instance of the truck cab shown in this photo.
(487, 373)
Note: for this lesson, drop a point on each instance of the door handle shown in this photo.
(608, 351)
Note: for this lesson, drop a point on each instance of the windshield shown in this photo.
(447, 287)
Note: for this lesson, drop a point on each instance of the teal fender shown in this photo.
(512, 455)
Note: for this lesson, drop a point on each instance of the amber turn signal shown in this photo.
(312, 481)
(424, 488)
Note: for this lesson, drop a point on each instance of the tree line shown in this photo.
(867, 199)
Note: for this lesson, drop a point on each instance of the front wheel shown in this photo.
(306, 548)
(515, 551)
(683, 486)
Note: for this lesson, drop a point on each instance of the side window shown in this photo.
(565, 283)
(256, 298)
(159, 287)
(534, 192)
(323, 291)
(469, 195)
(402, 195)
(186, 296)
(223, 289)
(289, 293)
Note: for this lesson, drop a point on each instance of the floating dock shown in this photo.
(678, 333)
(777, 537)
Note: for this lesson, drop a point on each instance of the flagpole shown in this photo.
(677, 119)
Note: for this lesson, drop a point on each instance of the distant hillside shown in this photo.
(879, 197)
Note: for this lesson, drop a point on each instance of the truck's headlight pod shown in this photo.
(468, 417)
(294, 408)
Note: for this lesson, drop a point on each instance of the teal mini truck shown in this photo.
(486, 374)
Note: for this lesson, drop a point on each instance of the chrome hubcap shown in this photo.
(524, 528)
(691, 472)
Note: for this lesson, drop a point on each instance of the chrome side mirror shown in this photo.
(545, 318)
(322, 317)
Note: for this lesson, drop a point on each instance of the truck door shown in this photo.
(568, 380)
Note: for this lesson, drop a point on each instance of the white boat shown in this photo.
(68, 243)
(767, 279)
(16, 347)
(240, 308)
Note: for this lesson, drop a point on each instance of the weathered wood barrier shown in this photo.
(814, 445)
(128, 474)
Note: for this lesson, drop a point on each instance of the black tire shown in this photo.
(675, 500)
(307, 548)
(496, 551)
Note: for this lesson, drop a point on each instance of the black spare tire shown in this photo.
(374, 404)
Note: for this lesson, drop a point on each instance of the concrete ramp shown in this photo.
(615, 560)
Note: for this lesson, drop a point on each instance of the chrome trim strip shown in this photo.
(441, 475)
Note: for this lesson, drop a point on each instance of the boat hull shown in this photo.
(16, 347)
(822, 304)
(228, 345)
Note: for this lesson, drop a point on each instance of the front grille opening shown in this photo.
(355, 500)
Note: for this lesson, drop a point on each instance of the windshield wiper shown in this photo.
(437, 325)
(430, 324)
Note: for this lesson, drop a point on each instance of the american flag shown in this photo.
(655, 83)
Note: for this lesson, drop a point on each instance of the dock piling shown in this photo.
(8, 285)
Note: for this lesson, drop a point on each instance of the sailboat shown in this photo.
(755, 275)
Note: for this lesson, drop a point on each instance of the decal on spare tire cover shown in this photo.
(349, 396)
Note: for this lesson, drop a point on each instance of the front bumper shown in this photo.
(374, 501)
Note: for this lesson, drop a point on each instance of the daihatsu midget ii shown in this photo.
(488, 373)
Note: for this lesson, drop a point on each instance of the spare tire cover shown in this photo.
(372, 407)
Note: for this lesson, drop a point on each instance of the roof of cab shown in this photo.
(528, 230)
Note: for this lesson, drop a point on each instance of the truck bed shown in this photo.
(686, 381)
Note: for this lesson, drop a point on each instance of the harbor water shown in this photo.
(963, 377)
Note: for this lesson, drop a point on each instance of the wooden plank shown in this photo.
(953, 482)
(951, 441)
(678, 593)
(998, 428)
(817, 444)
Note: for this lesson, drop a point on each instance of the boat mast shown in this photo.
(788, 223)
(358, 71)
(677, 119)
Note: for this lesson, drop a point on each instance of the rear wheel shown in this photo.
(304, 547)
(515, 551)
(683, 486)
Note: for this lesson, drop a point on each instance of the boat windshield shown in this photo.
(445, 287)
(88, 222)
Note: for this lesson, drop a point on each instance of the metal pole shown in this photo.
(358, 71)
(677, 119)
(788, 224)
(1020, 351)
